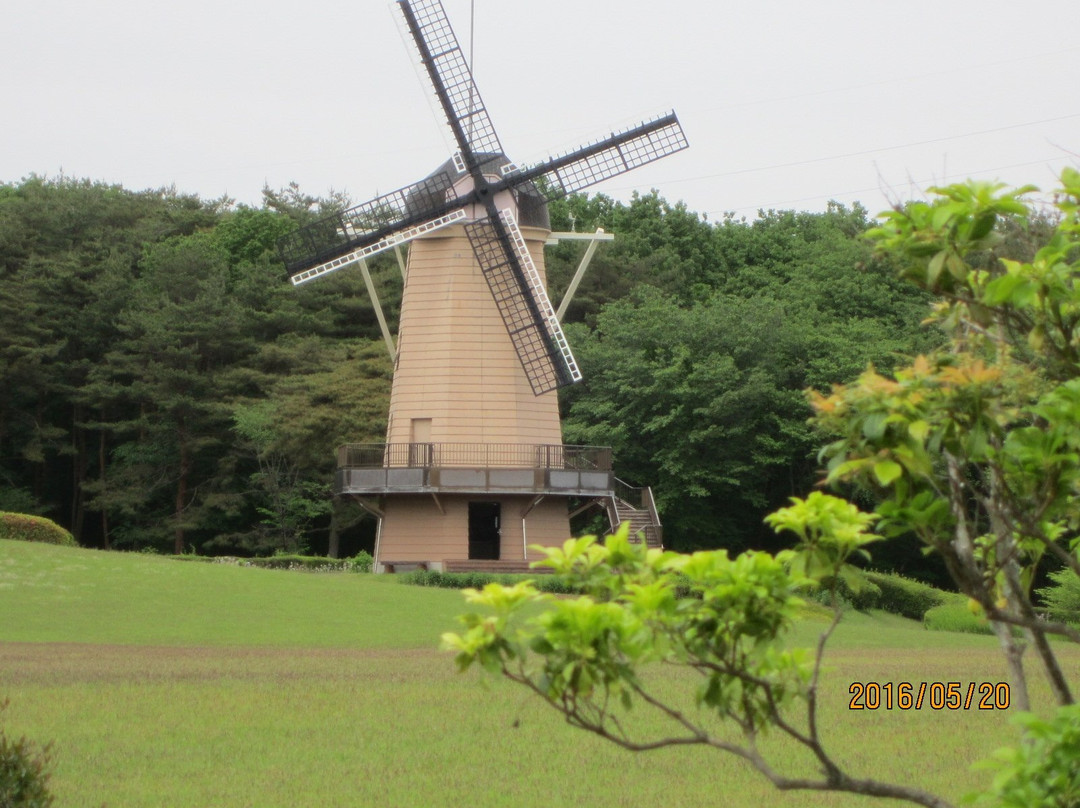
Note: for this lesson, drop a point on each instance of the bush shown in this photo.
(24, 527)
(361, 562)
(1062, 600)
(24, 772)
(296, 562)
(956, 616)
(906, 597)
(1042, 769)
(889, 592)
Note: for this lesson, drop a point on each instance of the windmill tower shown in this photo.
(473, 469)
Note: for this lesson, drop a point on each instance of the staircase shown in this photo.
(636, 506)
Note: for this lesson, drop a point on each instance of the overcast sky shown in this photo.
(785, 104)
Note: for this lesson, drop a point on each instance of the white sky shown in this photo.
(786, 103)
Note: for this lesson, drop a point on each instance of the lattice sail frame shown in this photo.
(451, 78)
(394, 240)
(394, 219)
(532, 329)
(633, 148)
(364, 224)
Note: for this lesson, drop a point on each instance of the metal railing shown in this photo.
(474, 455)
(628, 493)
(641, 499)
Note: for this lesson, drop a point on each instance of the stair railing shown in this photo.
(656, 529)
(627, 493)
(641, 499)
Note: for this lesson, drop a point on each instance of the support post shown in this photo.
(438, 504)
(594, 239)
(592, 503)
(389, 340)
(532, 504)
(378, 536)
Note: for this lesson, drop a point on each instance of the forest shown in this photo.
(167, 389)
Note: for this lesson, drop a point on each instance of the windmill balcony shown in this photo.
(474, 468)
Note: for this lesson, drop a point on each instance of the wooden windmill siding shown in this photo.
(474, 466)
(456, 365)
(458, 380)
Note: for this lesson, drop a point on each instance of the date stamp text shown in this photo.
(930, 695)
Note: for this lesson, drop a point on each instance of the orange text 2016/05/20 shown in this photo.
(931, 695)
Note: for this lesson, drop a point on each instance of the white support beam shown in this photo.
(563, 235)
(393, 240)
(387, 338)
(594, 240)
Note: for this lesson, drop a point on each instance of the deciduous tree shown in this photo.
(974, 449)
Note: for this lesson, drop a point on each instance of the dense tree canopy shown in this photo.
(696, 374)
(166, 387)
(136, 324)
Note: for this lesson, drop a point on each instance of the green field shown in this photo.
(176, 684)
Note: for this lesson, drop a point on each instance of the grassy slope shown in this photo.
(56, 594)
(335, 696)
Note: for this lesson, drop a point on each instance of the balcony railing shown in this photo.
(474, 455)
(376, 469)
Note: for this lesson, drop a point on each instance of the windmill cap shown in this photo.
(531, 203)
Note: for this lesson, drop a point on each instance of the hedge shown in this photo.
(359, 563)
(478, 580)
(904, 596)
(956, 616)
(25, 527)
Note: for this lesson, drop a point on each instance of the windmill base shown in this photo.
(465, 531)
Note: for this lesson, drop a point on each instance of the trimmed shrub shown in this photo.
(906, 597)
(956, 616)
(25, 527)
(24, 772)
(889, 592)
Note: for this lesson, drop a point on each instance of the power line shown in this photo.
(835, 195)
(866, 152)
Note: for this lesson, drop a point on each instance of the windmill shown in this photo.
(474, 441)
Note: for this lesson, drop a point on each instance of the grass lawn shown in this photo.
(175, 684)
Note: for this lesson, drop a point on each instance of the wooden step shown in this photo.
(640, 521)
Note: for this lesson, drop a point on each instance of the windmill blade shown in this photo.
(395, 239)
(523, 303)
(618, 153)
(451, 79)
(343, 233)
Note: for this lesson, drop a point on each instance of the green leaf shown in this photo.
(919, 430)
(1016, 290)
(886, 471)
(933, 270)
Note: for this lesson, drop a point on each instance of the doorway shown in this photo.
(484, 534)
(421, 449)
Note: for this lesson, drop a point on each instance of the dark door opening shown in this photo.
(484, 530)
